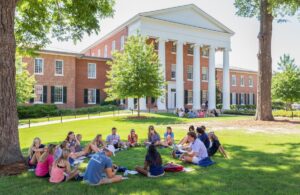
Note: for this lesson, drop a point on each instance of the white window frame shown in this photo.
(233, 77)
(62, 68)
(242, 78)
(206, 50)
(89, 76)
(35, 98)
(113, 46)
(250, 83)
(233, 96)
(173, 66)
(190, 97)
(105, 51)
(39, 73)
(242, 100)
(122, 42)
(192, 48)
(62, 94)
(174, 45)
(99, 52)
(95, 94)
(203, 100)
(191, 73)
(251, 99)
(206, 80)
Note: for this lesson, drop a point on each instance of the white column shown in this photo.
(226, 80)
(196, 78)
(161, 101)
(211, 79)
(143, 104)
(179, 76)
(130, 104)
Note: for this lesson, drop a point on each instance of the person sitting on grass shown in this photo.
(153, 137)
(100, 168)
(169, 137)
(181, 113)
(71, 139)
(197, 151)
(114, 139)
(201, 114)
(78, 139)
(59, 149)
(216, 145)
(202, 135)
(61, 169)
(153, 164)
(185, 139)
(35, 151)
(45, 162)
(132, 139)
(95, 146)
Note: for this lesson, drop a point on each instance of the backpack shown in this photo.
(171, 167)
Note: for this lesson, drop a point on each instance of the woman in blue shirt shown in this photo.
(153, 164)
(153, 137)
(169, 137)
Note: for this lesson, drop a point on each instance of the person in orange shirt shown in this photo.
(132, 139)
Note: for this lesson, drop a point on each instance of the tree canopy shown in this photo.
(135, 72)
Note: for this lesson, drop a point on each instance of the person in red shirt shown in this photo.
(132, 139)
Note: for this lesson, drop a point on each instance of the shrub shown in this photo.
(284, 113)
(242, 107)
(240, 112)
(278, 105)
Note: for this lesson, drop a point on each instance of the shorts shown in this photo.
(195, 160)
(153, 176)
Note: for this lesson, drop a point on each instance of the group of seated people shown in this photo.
(202, 113)
(55, 161)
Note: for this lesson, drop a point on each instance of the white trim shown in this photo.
(43, 66)
(234, 85)
(62, 94)
(94, 91)
(242, 76)
(57, 60)
(95, 77)
(34, 100)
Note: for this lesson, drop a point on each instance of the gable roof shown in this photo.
(153, 14)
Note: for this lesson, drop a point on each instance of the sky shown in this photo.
(244, 44)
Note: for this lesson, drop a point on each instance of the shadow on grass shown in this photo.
(247, 172)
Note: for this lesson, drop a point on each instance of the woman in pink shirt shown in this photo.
(45, 161)
(61, 169)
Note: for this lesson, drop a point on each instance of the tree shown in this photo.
(24, 82)
(135, 72)
(266, 11)
(286, 83)
(27, 24)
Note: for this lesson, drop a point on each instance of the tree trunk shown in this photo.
(264, 100)
(138, 102)
(10, 153)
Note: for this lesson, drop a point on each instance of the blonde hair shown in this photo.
(64, 156)
(32, 145)
(51, 149)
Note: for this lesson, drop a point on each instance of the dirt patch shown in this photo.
(280, 125)
(13, 169)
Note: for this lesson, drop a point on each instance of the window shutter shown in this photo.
(52, 94)
(230, 98)
(248, 98)
(240, 97)
(185, 97)
(45, 94)
(236, 98)
(85, 96)
(200, 97)
(65, 95)
(254, 100)
(98, 96)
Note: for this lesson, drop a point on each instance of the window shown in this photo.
(99, 52)
(250, 81)
(122, 42)
(105, 51)
(174, 47)
(38, 66)
(38, 94)
(58, 94)
(233, 98)
(190, 49)
(204, 96)
(251, 98)
(233, 80)
(156, 45)
(242, 81)
(173, 71)
(91, 71)
(204, 74)
(113, 46)
(91, 96)
(242, 98)
(205, 52)
(190, 97)
(190, 72)
(59, 68)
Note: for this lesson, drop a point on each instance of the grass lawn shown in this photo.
(260, 163)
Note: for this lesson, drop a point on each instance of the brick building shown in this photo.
(186, 40)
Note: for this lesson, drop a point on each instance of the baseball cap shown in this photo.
(111, 148)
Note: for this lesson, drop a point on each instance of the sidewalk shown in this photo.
(68, 120)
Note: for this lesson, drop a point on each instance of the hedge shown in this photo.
(240, 112)
(284, 113)
(38, 111)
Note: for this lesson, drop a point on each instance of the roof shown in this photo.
(74, 54)
(160, 11)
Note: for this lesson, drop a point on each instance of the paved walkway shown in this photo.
(69, 120)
